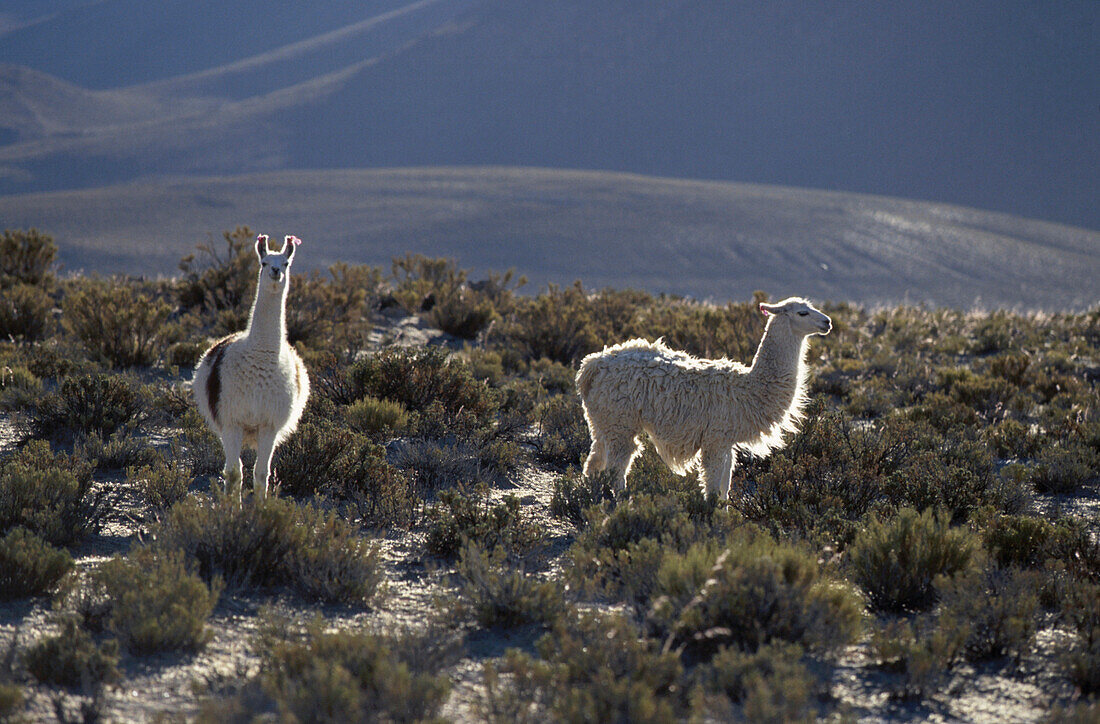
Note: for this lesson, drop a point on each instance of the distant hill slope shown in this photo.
(986, 103)
(699, 238)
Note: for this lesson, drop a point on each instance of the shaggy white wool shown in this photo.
(698, 411)
(252, 387)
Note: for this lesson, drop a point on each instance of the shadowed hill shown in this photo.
(705, 239)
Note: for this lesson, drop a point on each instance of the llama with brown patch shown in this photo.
(251, 387)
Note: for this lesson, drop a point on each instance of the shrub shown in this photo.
(497, 594)
(996, 608)
(574, 494)
(161, 484)
(470, 515)
(896, 562)
(72, 658)
(1031, 541)
(337, 677)
(373, 416)
(121, 450)
(438, 464)
(184, 354)
(319, 458)
(26, 257)
(440, 288)
(121, 326)
(217, 281)
(418, 377)
(156, 602)
(562, 432)
(1063, 468)
(556, 325)
(921, 652)
(755, 592)
(597, 668)
(29, 566)
(771, 683)
(333, 313)
(275, 543)
(1082, 661)
(51, 496)
(24, 313)
(97, 404)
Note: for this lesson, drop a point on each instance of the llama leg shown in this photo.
(621, 451)
(232, 439)
(717, 467)
(265, 447)
(597, 457)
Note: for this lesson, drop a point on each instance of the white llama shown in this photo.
(252, 386)
(698, 409)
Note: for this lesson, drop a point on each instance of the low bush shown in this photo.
(119, 324)
(752, 593)
(336, 677)
(996, 607)
(24, 313)
(161, 485)
(498, 594)
(1026, 541)
(274, 543)
(29, 566)
(470, 515)
(921, 652)
(51, 496)
(72, 658)
(99, 404)
(216, 280)
(1065, 467)
(562, 432)
(771, 684)
(26, 257)
(896, 562)
(1082, 662)
(156, 602)
(575, 494)
(118, 452)
(376, 417)
(593, 669)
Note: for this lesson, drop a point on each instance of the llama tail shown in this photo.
(586, 375)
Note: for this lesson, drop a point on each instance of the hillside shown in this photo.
(699, 238)
(986, 104)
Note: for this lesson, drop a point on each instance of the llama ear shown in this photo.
(765, 309)
(290, 243)
(261, 246)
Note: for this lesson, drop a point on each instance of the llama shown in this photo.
(252, 386)
(698, 411)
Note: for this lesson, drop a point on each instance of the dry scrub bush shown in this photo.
(29, 566)
(73, 659)
(920, 652)
(470, 515)
(161, 484)
(24, 313)
(117, 323)
(896, 561)
(51, 496)
(771, 684)
(26, 257)
(98, 404)
(156, 602)
(499, 594)
(452, 303)
(996, 609)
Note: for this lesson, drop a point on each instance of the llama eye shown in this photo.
(263, 263)
(803, 314)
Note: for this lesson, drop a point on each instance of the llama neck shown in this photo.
(779, 363)
(267, 321)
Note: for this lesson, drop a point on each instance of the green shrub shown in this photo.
(184, 355)
(755, 592)
(11, 701)
(373, 416)
(574, 494)
(1081, 712)
(1030, 542)
(463, 515)
(277, 543)
(220, 281)
(771, 683)
(556, 325)
(333, 313)
(24, 313)
(895, 562)
(562, 432)
(996, 607)
(156, 602)
(118, 324)
(161, 485)
(1082, 662)
(99, 404)
(597, 668)
(337, 677)
(26, 257)
(418, 377)
(319, 458)
(51, 496)
(118, 452)
(29, 566)
(1064, 468)
(72, 658)
(921, 652)
(440, 288)
(497, 594)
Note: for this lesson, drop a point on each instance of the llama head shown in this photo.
(275, 266)
(800, 315)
